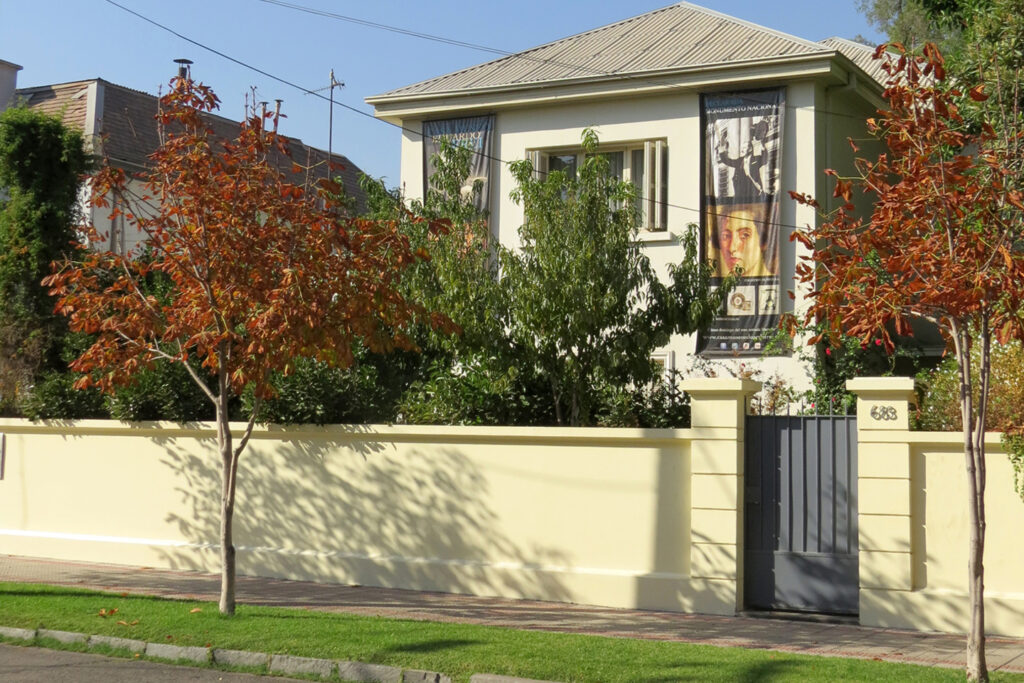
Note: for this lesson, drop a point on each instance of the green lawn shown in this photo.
(455, 649)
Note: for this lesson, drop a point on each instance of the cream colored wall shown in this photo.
(914, 524)
(676, 118)
(589, 516)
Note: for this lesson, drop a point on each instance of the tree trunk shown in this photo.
(974, 454)
(227, 504)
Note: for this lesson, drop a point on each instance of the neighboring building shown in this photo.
(708, 115)
(119, 123)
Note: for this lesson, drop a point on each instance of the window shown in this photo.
(645, 164)
(666, 360)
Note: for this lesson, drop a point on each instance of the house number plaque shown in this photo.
(883, 413)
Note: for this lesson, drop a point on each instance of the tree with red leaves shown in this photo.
(942, 244)
(259, 271)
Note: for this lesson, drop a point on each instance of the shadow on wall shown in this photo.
(358, 512)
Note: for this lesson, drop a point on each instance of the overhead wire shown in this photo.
(308, 91)
(521, 55)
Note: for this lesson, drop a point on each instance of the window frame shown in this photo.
(653, 196)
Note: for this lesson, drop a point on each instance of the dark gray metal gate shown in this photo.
(800, 516)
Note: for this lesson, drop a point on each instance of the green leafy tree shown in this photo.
(41, 167)
(911, 22)
(585, 304)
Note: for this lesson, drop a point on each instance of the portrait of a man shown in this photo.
(739, 240)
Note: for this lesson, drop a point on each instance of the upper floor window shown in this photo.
(645, 164)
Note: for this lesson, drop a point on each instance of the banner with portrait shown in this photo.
(741, 171)
(474, 132)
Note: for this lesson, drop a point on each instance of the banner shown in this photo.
(741, 173)
(474, 132)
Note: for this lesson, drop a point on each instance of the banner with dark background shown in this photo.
(474, 132)
(741, 173)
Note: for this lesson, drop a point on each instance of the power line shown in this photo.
(522, 55)
(308, 91)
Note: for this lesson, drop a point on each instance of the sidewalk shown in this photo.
(835, 640)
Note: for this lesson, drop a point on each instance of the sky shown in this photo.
(57, 41)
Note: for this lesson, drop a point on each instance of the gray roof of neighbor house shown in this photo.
(129, 127)
(676, 38)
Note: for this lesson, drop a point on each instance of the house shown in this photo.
(119, 123)
(714, 119)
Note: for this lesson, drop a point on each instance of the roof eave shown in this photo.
(823, 65)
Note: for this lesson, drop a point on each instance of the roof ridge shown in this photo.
(45, 86)
(758, 27)
(851, 43)
(520, 54)
(559, 53)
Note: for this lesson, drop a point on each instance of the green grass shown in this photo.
(455, 649)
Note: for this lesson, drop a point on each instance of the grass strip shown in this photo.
(459, 650)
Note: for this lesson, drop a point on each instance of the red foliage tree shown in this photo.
(260, 271)
(942, 244)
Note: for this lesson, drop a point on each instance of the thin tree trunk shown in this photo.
(973, 435)
(227, 501)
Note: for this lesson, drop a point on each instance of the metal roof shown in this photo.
(682, 36)
(861, 55)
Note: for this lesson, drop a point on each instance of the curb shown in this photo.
(357, 672)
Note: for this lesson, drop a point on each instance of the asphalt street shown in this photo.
(36, 664)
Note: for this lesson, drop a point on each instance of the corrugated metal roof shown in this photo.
(861, 55)
(681, 36)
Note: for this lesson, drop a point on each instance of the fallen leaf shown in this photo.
(195, 609)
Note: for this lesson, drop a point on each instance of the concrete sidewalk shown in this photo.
(835, 640)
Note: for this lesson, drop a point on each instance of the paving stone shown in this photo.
(417, 676)
(494, 678)
(301, 665)
(369, 673)
(118, 643)
(240, 658)
(200, 655)
(62, 636)
(19, 633)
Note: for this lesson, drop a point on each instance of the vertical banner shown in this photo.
(741, 173)
(474, 132)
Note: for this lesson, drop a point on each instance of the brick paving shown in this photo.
(804, 637)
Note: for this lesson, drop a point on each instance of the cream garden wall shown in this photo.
(615, 517)
(599, 516)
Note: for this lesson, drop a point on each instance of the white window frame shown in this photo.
(667, 360)
(654, 211)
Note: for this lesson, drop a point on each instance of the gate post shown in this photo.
(884, 489)
(718, 413)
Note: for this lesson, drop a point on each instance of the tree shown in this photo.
(941, 244)
(911, 22)
(41, 164)
(584, 300)
(261, 273)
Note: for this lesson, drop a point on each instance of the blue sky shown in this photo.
(66, 40)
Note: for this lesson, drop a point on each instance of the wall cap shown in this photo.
(892, 388)
(698, 386)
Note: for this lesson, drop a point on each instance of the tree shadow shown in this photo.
(351, 508)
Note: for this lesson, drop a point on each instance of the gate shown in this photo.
(800, 514)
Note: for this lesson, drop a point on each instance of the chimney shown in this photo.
(8, 83)
(183, 67)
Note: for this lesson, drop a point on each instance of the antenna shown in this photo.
(330, 119)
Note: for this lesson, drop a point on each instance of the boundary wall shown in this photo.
(643, 518)
(635, 518)
(914, 524)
